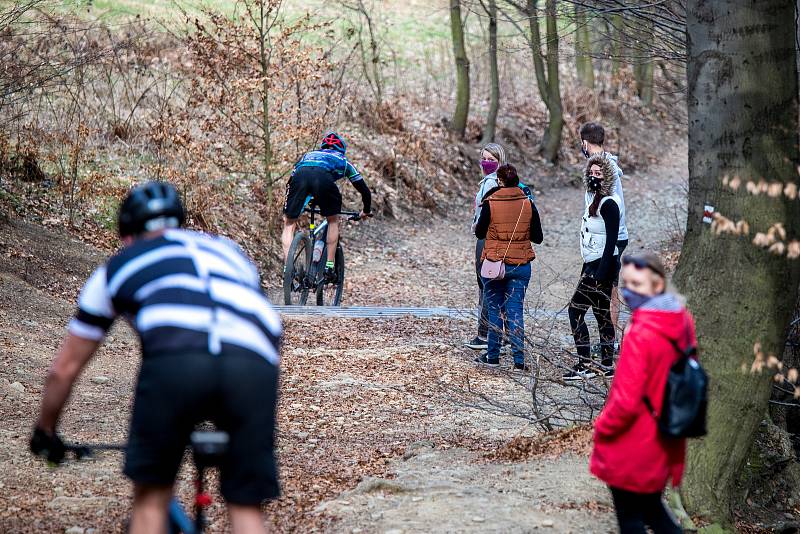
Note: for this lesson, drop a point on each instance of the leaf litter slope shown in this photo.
(362, 402)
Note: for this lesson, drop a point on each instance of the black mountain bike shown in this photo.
(208, 449)
(305, 264)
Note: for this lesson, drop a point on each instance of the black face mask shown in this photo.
(595, 184)
(584, 151)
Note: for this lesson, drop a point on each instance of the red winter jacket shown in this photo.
(629, 452)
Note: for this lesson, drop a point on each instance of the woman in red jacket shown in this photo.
(630, 455)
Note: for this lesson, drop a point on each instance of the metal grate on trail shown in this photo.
(384, 312)
(371, 312)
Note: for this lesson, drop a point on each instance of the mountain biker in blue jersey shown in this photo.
(316, 175)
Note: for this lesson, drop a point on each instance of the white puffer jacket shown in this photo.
(593, 233)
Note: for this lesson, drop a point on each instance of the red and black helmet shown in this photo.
(335, 141)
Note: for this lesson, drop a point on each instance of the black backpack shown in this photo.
(683, 412)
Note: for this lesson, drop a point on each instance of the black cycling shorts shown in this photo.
(316, 182)
(237, 391)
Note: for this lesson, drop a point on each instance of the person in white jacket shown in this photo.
(592, 138)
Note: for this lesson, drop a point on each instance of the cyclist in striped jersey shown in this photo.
(210, 351)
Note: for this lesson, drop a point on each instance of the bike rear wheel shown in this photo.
(295, 287)
(330, 294)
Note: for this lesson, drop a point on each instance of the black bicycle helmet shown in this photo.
(150, 206)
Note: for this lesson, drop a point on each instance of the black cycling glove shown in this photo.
(47, 446)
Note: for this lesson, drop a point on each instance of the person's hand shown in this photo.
(47, 445)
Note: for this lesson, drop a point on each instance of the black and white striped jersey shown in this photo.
(182, 292)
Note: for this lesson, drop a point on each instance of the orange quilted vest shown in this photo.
(506, 204)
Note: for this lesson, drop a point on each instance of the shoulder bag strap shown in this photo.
(513, 231)
(684, 353)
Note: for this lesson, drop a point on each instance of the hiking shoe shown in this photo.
(579, 374)
(607, 371)
(477, 343)
(329, 275)
(521, 367)
(482, 360)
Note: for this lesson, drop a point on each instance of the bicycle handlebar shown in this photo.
(351, 215)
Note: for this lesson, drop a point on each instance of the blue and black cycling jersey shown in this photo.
(316, 174)
(332, 161)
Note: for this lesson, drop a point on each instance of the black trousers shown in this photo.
(483, 318)
(637, 510)
(595, 295)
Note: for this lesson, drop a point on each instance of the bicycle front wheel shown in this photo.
(295, 284)
(330, 294)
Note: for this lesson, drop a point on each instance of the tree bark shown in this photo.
(743, 121)
(266, 128)
(616, 36)
(459, 122)
(535, 43)
(494, 101)
(583, 49)
(551, 142)
(377, 75)
(643, 68)
(547, 81)
(644, 81)
(371, 65)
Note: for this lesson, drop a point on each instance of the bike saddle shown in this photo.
(209, 446)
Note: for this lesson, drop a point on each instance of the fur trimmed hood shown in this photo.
(607, 166)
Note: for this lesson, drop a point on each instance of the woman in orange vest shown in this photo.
(509, 222)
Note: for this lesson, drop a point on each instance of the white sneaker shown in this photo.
(579, 374)
(477, 344)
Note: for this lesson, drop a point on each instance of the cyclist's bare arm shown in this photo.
(74, 354)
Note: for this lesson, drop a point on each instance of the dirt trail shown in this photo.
(377, 433)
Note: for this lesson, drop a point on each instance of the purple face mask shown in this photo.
(488, 166)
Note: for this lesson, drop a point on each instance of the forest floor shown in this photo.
(376, 431)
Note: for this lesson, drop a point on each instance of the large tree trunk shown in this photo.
(459, 122)
(583, 49)
(551, 143)
(743, 121)
(494, 101)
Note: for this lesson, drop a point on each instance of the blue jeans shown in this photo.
(507, 295)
